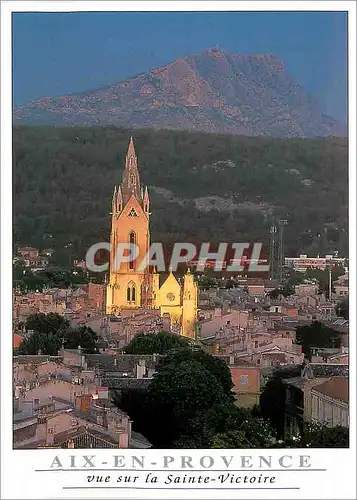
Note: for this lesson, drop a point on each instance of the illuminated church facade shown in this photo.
(130, 287)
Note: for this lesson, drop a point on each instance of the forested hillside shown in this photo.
(204, 186)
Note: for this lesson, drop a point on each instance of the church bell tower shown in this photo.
(130, 224)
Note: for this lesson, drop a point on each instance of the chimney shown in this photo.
(140, 368)
(166, 322)
(42, 430)
(16, 404)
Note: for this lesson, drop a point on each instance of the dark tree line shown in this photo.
(64, 179)
(47, 333)
(316, 335)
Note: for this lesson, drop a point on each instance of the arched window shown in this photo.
(131, 292)
(132, 237)
(132, 241)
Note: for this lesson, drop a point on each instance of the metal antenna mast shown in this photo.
(281, 257)
(272, 251)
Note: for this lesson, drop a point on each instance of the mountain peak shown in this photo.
(215, 91)
(214, 51)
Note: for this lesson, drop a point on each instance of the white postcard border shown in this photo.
(19, 479)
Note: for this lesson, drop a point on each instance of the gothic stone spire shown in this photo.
(131, 179)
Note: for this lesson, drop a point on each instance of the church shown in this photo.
(128, 286)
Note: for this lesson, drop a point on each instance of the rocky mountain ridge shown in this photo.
(211, 92)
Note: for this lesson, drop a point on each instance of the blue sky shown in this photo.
(55, 53)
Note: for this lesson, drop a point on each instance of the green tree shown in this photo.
(320, 436)
(189, 405)
(342, 308)
(207, 282)
(135, 402)
(155, 343)
(252, 432)
(187, 387)
(82, 336)
(48, 332)
(227, 426)
(272, 398)
(50, 323)
(177, 396)
(214, 365)
(202, 428)
(232, 439)
(323, 277)
(274, 294)
(41, 343)
(284, 291)
(316, 335)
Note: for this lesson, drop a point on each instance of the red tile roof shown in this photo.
(17, 339)
(335, 388)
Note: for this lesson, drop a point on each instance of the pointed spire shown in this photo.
(131, 179)
(146, 201)
(114, 194)
(131, 148)
(119, 200)
(114, 201)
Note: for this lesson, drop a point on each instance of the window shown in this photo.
(132, 238)
(37, 401)
(244, 379)
(277, 309)
(256, 344)
(131, 293)
(132, 241)
(132, 213)
(50, 430)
